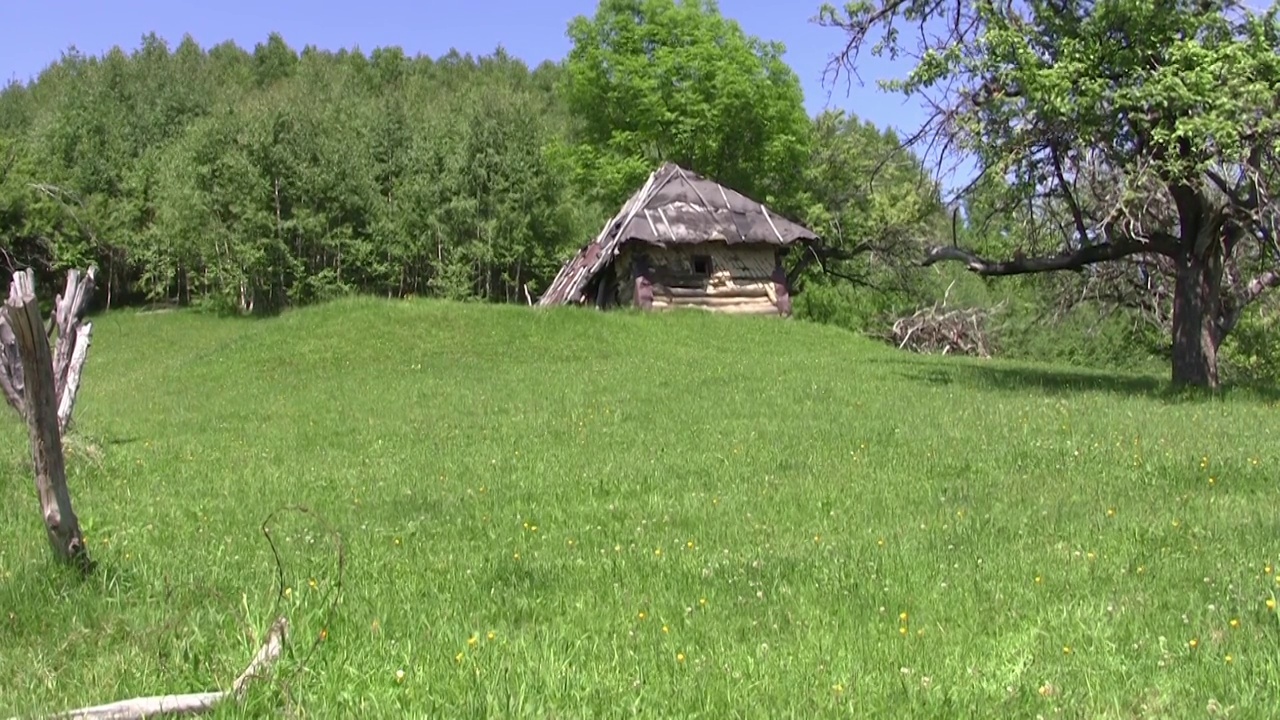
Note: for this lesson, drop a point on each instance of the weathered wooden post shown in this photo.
(41, 385)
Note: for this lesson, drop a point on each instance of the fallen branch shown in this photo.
(191, 703)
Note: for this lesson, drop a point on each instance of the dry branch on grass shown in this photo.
(191, 703)
(941, 330)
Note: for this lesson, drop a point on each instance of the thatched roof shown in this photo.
(674, 207)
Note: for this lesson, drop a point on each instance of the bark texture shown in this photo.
(41, 384)
(1197, 297)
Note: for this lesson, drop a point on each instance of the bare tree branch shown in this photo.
(1074, 260)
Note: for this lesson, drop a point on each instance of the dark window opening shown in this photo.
(702, 265)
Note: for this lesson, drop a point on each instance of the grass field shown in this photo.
(571, 514)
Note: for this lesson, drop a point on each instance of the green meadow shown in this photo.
(493, 511)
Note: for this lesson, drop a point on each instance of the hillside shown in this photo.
(672, 515)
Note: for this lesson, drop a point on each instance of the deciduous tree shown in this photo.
(1127, 128)
(674, 80)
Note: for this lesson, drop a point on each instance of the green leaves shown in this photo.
(255, 180)
(660, 80)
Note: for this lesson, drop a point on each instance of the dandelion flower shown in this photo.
(902, 616)
(1235, 623)
(471, 641)
(1271, 603)
(679, 657)
(1066, 649)
(399, 676)
(1039, 579)
(491, 635)
(666, 629)
(640, 615)
(902, 630)
(702, 602)
(1193, 643)
(458, 657)
(1266, 570)
(1228, 659)
(838, 688)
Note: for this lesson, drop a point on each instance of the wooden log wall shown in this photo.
(742, 279)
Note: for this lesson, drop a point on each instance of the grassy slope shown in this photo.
(676, 515)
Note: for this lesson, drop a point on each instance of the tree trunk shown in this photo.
(41, 409)
(1197, 297)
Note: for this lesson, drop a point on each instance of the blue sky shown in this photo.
(33, 33)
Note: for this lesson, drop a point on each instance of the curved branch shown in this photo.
(1234, 310)
(1074, 260)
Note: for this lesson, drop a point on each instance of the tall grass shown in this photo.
(580, 514)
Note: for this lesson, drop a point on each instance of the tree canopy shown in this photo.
(1126, 128)
(675, 80)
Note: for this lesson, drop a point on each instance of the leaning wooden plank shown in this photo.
(23, 315)
(191, 703)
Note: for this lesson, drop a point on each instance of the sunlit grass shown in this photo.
(586, 514)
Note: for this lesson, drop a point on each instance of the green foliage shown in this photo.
(258, 180)
(1010, 511)
(1251, 355)
(674, 80)
(874, 205)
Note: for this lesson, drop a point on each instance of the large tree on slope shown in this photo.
(1129, 129)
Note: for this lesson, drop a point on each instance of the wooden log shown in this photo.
(190, 703)
(719, 301)
(39, 398)
(755, 309)
(740, 309)
(741, 290)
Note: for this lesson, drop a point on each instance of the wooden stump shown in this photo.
(38, 388)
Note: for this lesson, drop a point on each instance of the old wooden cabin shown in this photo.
(683, 240)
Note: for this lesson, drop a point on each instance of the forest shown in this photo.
(254, 180)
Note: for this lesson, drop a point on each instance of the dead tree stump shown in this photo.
(41, 385)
